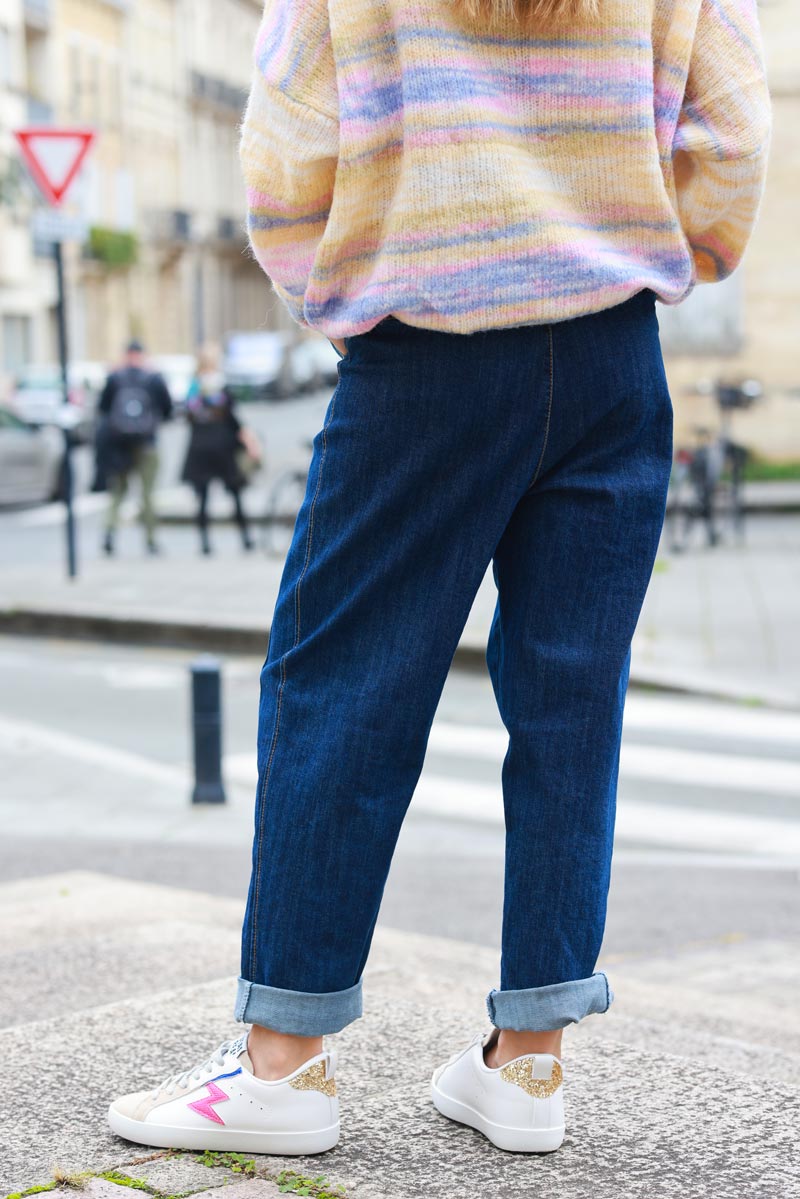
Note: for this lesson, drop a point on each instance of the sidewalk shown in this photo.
(687, 1088)
(719, 623)
(177, 504)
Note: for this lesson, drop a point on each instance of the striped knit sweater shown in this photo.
(400, 160)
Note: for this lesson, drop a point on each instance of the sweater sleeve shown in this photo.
(290, 144)
(722, 137)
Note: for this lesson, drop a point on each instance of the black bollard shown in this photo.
(207, 731)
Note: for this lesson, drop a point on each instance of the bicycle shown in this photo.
(707, 480)
(283, 504)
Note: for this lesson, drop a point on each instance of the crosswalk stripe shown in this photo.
(684, 767)
(649, 824)
(643, 823)
(653, 713)
(659, 825)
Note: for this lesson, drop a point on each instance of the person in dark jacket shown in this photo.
(132, 407)
(215, 445)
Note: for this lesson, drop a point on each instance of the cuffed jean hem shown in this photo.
(544, 1009)
(298, 1013)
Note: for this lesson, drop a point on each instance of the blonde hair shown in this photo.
(527, 12)
(208, 357)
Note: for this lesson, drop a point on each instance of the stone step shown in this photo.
(675, 1092)
(641, 1122)
(80, 940)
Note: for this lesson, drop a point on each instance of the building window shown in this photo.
(16, 342)
(93, 88)
(75, 81)
(5, 56)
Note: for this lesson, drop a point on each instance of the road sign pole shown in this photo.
(63, 354)
(54, 158)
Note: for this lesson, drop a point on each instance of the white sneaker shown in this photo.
(519, 1106)
(222, 1105)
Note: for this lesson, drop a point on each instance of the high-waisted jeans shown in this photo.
(545, 451)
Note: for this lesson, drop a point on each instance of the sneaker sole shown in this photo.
(513, 1140)
(282, 1144)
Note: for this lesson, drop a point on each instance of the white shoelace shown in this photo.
(180, 1080)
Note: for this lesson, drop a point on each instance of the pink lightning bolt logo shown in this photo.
(205, 1106)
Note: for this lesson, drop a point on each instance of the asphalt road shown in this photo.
(709, 829)
(127, 710)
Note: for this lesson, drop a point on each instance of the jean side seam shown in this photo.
(282, 685)
(311, 522)
(261, 815)
(549, 410)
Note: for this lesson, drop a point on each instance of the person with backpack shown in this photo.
(479, 202)
(133, 405)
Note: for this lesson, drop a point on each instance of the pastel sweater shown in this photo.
(400, 160)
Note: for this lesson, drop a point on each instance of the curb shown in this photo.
(228, 639)
(123, 630)
(770, 508)
(82, 626)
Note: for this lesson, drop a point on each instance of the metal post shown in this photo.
(63, 354)
(207, 731)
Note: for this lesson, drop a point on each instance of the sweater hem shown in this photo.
(548, 312)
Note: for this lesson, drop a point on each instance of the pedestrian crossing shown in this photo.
(675, 792)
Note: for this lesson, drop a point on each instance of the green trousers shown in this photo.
(145, 465)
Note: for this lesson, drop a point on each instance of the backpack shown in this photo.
(133, 411)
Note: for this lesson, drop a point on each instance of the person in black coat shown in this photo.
(215, 446)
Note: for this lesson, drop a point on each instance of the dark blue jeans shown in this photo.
(545, 451)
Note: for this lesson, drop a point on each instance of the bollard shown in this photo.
(207, 731)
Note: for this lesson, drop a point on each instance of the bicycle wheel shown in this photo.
(284, 504)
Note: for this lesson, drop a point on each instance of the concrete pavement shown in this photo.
(688, 1087)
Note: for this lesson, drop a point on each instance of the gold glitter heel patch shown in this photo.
(313, 1079)
(521, 1073)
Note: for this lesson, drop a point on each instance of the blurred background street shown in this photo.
(120, 901)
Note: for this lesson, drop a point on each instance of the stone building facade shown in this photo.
(163, 82)
(27, 288)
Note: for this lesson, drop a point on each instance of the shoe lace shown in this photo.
(180, 1080)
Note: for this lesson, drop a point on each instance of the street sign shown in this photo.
(54, 157)
(48, 224)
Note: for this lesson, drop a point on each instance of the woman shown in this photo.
(479, 203)
(215, 445)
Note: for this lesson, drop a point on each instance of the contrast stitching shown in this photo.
(311, 521)
(267, 772)
(549, 410)
(281, 686)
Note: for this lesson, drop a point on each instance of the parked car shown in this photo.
(314, 363)
(37, 396)
(270, 365)
(256, 365)
(31, 458)
(177, 370)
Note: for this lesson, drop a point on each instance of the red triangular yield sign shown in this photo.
(54, 157)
